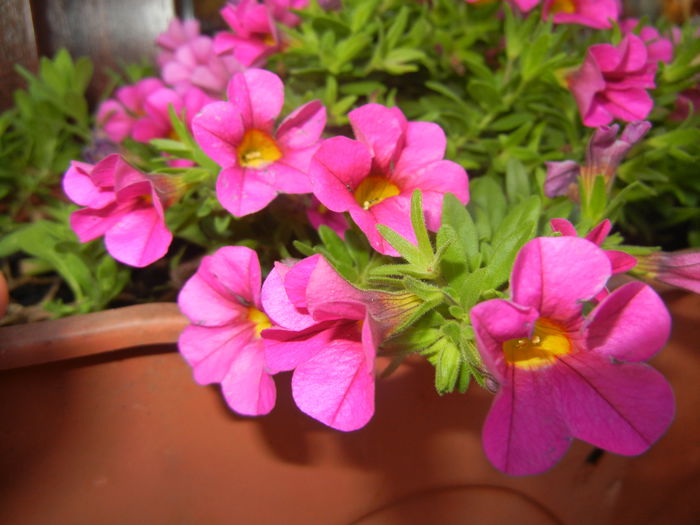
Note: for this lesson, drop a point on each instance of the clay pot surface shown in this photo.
(128, 437)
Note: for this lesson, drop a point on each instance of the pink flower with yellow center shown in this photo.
(124, 205)
(258, 160)
(223, 343)
(563, 374)
(600, 14)
(613, 81)
(324, 332)
(374, 176)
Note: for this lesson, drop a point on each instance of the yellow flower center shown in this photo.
(563, 6)
(257, 149)
(548, 341)
(259, 319)
(373, 190)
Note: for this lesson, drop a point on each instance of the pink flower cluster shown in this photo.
(306, 319)
(124, 205)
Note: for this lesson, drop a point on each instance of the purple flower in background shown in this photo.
(603, 156)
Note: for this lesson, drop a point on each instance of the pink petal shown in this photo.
(631, 324)
(235, 272)
(564, 227)
(622, 408)
(523, 433)
(225, 285)
(495, 322)
(243, 191)
(210, 351)
(621, 262)
(258, 94)
(335, 387)
(425, 143)
(139, 238)
(629, 105)
(288, 179)
(287, 349)
(296, 281)
(330, 297)
(279, 307)
(598, 234)
(382, 130)
(555, 274)
(218, 129)
(89, 224)
(337, 168)
(247, 387)
(303, 127)
(80, 188)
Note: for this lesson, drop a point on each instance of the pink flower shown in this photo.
(223, 344)
(254, 35)
(680, 269)
(122, 116)
(319, 215)
(591, 13)
(563, 375)
(659, 49)
(258, 161)
(281, 10)
(179, 32)
(156, 120)
(124, 205)
(195, 63)
(620, 262)
(612, 83)
(603, 156)
(325, 334)
(374, 176)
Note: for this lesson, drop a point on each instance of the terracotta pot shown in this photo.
(127, 436)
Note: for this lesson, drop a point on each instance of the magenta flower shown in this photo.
(563, 375)
(123, 116)
(124, 205)
(680, 269)
(156, 120)
(258, 160)
(603, 156)
(281, 10)
(659, 49)
(612, 82)
(195, 63)
(254, 35)
(179, 32)
(620, 262)
(374, 176)
(325, 334)
(223, 344)
(319, 215)
(599, 14)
